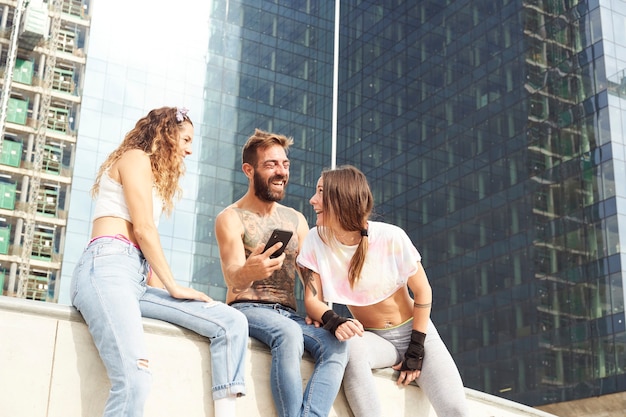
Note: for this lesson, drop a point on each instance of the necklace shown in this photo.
(349, 238)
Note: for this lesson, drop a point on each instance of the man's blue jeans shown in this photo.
(109, 290)
(287, 335)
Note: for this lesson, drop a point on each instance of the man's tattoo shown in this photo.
(417, 305)
(307, 276)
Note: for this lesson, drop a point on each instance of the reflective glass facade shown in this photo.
(269, 66)
(134, 65)
(492, 131)
(236, 66)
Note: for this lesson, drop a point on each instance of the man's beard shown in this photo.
(263, 191)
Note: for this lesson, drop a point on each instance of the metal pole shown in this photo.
(333, 156)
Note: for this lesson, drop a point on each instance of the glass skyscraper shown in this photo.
(130, 72)
(269, 66)
(492, 131)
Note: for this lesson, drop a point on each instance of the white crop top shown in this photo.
(111, 203)
(391, 259)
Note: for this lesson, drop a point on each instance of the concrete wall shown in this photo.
(49, 367)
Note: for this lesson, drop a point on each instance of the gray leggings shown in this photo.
(439, 379)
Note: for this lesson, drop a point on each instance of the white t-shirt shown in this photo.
(391, 259)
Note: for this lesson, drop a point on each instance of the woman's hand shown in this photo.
(187, 293)
(349, 329)
(406, 377)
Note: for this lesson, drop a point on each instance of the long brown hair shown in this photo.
(348, 201)
(157, 134)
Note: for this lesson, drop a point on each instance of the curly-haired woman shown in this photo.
(134, 185)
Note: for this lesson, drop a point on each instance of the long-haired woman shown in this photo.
(134, 185)
(369, 266)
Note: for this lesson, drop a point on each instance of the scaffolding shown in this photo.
(43, 59)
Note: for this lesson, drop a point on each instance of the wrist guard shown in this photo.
(414, 356)
(332, 320)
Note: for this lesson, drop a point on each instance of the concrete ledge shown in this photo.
(609, 405)
(50, 368)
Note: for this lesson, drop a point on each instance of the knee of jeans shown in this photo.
(142, 379)
(239, 322)
(335, 348)
(234, 325)
(291, 337)
(135, 381)
(344, 353)
(141, 382)
(143, 364)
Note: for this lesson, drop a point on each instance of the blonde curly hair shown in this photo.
(157, 134)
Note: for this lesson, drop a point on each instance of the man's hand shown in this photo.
(308, 320)
(261, 263)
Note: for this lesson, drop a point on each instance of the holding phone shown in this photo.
(278, 235)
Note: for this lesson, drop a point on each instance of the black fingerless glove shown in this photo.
(332, 320)
(414, 356)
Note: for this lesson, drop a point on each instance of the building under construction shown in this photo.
(42, 58)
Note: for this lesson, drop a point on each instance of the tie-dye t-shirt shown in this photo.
(391, 259)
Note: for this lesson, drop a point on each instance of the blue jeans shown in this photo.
(109, 289)
(287, 335)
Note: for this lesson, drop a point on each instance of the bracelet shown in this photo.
(416, 305)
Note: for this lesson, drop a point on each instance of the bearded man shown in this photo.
(262, 286)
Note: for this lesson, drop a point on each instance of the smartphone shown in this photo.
(278, 235)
